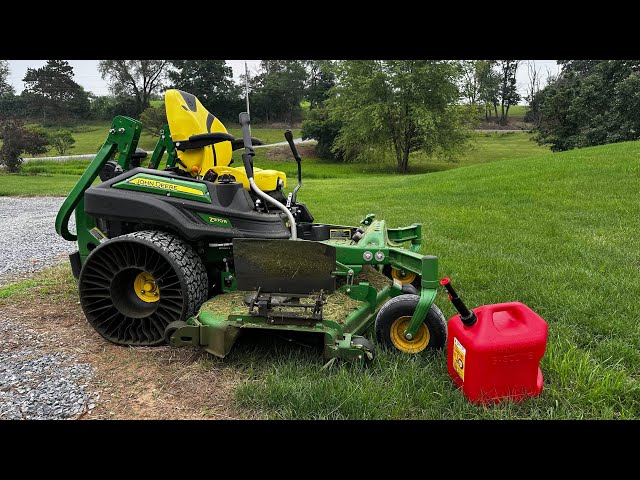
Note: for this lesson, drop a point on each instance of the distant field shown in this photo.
(487, 147)
(517, 112)
(90, 137)
(45, 177)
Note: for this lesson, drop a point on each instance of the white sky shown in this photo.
(86, 72)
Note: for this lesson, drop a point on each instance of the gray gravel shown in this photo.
(36, 384)
(28, 240)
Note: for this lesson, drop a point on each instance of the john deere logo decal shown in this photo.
(146, 182)
(217, 221)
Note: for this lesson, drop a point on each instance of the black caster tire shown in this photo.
(171, 329)
(368, 349)
(393, 318)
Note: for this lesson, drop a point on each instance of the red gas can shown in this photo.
(497, 357)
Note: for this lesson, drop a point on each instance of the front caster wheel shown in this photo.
(394, 317)
(171, 329)
(404, 276)
(367, 347)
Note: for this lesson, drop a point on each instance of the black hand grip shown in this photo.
(247, 156)
(466, 316)
(289, 136)
(203, 139)
(239, 143)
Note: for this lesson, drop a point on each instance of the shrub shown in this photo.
(18, 139)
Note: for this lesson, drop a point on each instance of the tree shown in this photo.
(154, 119)
(138, 79)
(276, 92)
(400, 106)
(591, 102)
(325, 130)
(212, 82)
(51, 92)
(489, 86)
(321, 78)
(508, 89)
(105, 107)
(471, 84)
(62, 141)
(5, 87)
(533, 87)
(18, 140)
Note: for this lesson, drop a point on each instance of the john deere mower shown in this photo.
(197, 252)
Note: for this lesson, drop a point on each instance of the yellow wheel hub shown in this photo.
(145, 287)
(415, 345)
(403, 275)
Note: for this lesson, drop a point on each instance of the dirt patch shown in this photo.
(283, 152)
(132, 383)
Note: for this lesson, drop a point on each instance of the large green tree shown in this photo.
(5, 87)
(398, 105)
(51, 92)
(277, 90)
(591, 102)
(136, 79)
(212, 82)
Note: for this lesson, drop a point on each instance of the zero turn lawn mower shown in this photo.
(196, 252)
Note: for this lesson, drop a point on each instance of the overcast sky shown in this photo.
(86, 72)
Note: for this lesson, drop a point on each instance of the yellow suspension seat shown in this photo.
(186, 117)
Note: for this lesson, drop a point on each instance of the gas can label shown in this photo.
(459, 352)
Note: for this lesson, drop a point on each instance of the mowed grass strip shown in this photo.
(558, 232)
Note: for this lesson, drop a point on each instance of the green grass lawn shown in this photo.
(557, 231)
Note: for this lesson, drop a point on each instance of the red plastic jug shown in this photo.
(494, 351)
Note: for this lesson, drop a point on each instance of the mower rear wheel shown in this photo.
(133, 286)
(394, 317)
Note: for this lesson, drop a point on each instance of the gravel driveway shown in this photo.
(35, 382)
(28, 240)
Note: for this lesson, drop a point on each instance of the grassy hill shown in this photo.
(558, 232)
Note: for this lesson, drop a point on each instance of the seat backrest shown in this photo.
(186, 117)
